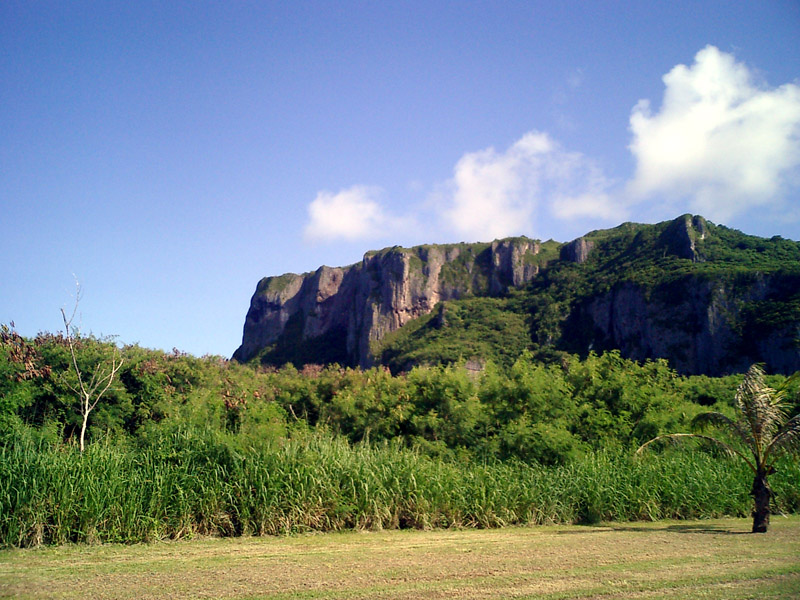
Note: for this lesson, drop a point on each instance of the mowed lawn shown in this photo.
(674, 559)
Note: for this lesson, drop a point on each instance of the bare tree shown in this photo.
(90, 389)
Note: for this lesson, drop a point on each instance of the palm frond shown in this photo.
(761, 407)
(682, 436)
(720, 421)
(787, 441)
(787, 383)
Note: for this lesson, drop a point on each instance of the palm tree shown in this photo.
(763, 428)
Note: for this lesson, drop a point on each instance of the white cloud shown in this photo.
(580, 189)
(491, 195)
(719, 145)
(351, 214)
(720, 141)
(494, 194)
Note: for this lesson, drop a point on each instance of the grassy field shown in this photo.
(202, 485)
(713, 559)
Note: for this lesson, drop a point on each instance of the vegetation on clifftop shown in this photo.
(645, 256)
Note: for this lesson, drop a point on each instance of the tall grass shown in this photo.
(188, 483)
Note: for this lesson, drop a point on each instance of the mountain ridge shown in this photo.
(706, 298)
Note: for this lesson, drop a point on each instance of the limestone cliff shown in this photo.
(338, 314)
(709, 299)
(701, 325)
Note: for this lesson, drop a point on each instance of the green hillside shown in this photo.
(548, 316)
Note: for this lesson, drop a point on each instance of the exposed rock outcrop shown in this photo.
(354, 307)
(681, 237)
(697, 323)
(577, 251)
(708, 299)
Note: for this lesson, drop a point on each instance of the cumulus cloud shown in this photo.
(720, 144)
(495, 194)
(351, 214)
(719, 140)
(491, 195)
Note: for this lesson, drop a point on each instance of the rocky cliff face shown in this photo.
(709, 299)
(712, 321)
(348, 309)
(701, 325)
(681, 237)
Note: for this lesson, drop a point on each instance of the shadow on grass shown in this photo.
(699, 528)
(688, 528)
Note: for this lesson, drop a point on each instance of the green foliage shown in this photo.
(293, 348)
(275, 285)
(489, 329)
(621, 402)
(519, 409)
(364, 406)
(189, 445)
(470, 270)
(184, 482)
(532, 409)
(548, 252)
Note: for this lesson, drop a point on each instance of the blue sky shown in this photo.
(169, 155)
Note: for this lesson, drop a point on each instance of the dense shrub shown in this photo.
(186, 445)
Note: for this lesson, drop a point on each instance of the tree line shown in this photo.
(530, 411)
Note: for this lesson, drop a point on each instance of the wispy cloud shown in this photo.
(719, 142)
(492, 194)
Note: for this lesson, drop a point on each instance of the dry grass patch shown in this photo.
(707, 559)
